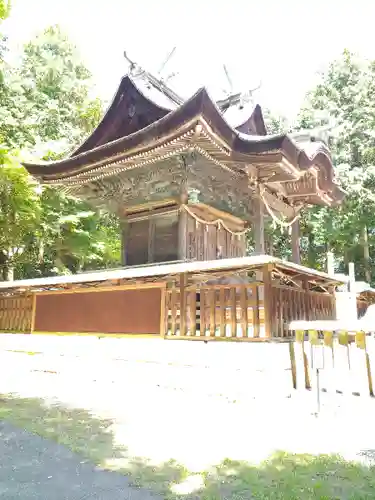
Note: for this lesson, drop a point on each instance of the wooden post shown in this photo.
(293, 367)
(258, 224)
(295, 237)
(151, 240)
(183, 283)
(182, 234)
(173, 308)
(124, 236)
(163, 311)
(267, 300)
(33, 312)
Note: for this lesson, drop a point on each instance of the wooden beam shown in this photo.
(139, 286)
(153, 212)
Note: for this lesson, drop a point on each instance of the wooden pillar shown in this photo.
(258, 224)
(267, 299)
(182, 234)
(296, 253)
(33, 312)
(163, 311)
(124, 237)
(183, 304)
(151, 240)
(293, 366)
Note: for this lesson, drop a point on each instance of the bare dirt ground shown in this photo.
(177, 429)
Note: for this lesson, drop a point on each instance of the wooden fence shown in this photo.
(250, 311)
(291, 304)
(216, 311)
(16, 313)
(258, 310)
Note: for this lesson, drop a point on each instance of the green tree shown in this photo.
(4, 9)
(19, 211)
(346, 92)
(55, 109)
(45, 108)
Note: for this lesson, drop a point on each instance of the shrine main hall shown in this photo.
(190, 180)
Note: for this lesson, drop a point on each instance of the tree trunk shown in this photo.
(41, 251)
(311, 249)
(3, 266)
(366, 254)
(9, 273)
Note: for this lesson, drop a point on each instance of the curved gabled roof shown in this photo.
(139, 101)
(144, 117)
(254, 124)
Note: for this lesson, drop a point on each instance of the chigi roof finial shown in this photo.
(133, 66)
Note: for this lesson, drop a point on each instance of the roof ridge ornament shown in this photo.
(136, 69)
(236, 98)
(321, 133)
(133, 66)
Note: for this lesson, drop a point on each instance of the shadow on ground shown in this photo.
(282, 476)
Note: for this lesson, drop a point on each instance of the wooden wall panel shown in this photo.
(165, 246)
(137, 243)
(152, 240)
(118, 311)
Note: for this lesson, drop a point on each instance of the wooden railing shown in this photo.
(242, 312)
(290, 304)
(216, 311)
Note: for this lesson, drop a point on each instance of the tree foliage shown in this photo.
(346, 94)
(45, 109)
(4, 9)
(50, 108)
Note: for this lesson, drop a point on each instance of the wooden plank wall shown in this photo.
(113, 310)
(152, 240)
(16, 313)
(203, 241)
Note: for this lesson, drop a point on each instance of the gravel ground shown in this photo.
(35, 468)
(162, 413)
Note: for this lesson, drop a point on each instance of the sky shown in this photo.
(281, 44)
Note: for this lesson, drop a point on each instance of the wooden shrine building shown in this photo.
(188, 179)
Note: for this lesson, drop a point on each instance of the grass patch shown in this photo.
(84, 434)
(283, 476)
